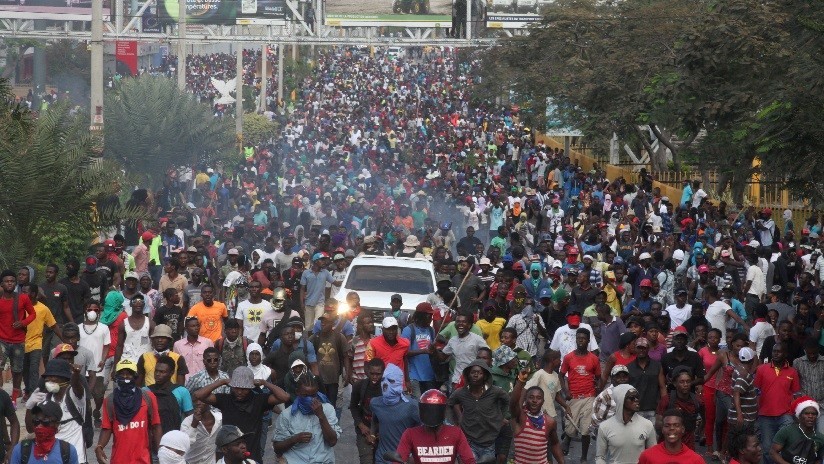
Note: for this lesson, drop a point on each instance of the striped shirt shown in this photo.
(811, 375)
(530, 445)
(357, 351)
(202, 379)
(743, 382)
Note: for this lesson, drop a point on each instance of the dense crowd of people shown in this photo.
(569, 308)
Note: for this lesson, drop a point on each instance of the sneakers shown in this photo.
(15, 395)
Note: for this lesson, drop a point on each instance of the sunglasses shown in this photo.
(211, 360)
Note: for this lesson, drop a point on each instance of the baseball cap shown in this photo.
(242, 377)
(338, 256)
(618, 369)
(754, 244)
(48, 409)
(91, 263)
(681, 291)
(317, 257)
(642, 341)
(109, 243)
(644, 256)
(191, 249)
(680, 330)
(396, 296)
(230, 434)
(678, 254)
(725, 253)
(147, 236)
(63, 348)
(425, 308)
(132, 275)
(232, 251)
(703, 269)
(645, 283)
(588, 257)
(545, 293)
(126, 364)
(485, 261)
(297, 260)
(746, 354)
(389, 322)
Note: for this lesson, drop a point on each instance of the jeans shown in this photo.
(331, 392)
(264, 432)
(819, 423)
(767, 427)
(417, 387)
(482, 451)
(155, 271)
(31, 369)
(723, 404)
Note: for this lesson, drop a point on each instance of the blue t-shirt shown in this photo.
(344, 325)
(642, 305)
(183, 397)
(392, 422)
(311, 356)
(52, 458)
(420, 368)
(315, 285)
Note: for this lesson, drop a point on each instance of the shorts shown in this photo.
(14, 354)
(581, 409)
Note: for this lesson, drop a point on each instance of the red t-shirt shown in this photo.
(25, 314)
(114, 331)
(394, 354)
(581, 373)
(658, 454)
(776, 389)
(442, 447)
(131, 442)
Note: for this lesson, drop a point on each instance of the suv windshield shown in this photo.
(390, 280)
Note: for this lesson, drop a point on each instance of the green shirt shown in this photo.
(791, 435)
(450, 331)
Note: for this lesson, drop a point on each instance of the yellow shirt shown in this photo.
(34, 331)
(492, 331)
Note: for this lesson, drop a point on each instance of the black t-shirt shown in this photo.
(77, 294)
(171, 316)
(247, 416)
(6, 413)
(691, 360)
(56, 295)
(96, 284)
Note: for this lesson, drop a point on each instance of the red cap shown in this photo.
(147, 236)
(425, 308)
(109, 243)
(645, 283)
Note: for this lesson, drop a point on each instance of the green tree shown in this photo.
(51, 178)
(151, 126)
(257, 128)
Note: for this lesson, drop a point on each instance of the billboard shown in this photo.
(50, 7)
(410, 13)
(514, 14)
(225, 12)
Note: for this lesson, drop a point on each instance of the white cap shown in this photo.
(389, 322)
(644, 256)
(589, 257)
(557, 263)
(486, 261)
(754, 244)
(678, 254)
(746, 354)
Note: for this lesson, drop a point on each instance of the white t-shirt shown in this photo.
(464, 350)
(251, 314)
(760, 332)
(717, 315)
(678, 315)
(95, 341)
(759, 284)
(70, 431)
(564, 339)
(697, 197)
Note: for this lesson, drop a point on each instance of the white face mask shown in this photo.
(52, 387)
(91, 316)
(168, 456)
(298, 335)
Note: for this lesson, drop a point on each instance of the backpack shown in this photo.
(84, 422)
(27, 445)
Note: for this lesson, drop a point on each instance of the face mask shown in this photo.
(168, 456)
(163, 353)
(126, 385)
(304, 404)
(52, 387)
(298, 335)
(91, 316)
(44, 435)
(574, 320)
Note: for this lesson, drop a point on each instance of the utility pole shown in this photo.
(264, 76)
(280, 75)
(96, 47)
(239, 93)
(181, 45)
(469, 19)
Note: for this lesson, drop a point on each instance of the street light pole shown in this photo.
(96, 48)
(181, 44)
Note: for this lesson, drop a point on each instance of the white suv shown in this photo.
(377, 278)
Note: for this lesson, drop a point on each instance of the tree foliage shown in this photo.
(257, 129)
(151, 126)
(51, 178)
(746, 73)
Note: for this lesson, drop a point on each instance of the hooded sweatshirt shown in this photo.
(619, 442)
